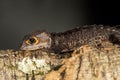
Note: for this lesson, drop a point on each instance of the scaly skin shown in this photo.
(70, 40)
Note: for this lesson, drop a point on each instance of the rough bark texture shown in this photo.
(85, 63)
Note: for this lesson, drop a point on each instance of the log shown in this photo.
(85, 63)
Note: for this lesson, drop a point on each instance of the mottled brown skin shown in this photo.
(69, 40)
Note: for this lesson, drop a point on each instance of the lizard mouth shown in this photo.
(29, 47)
(22, 47)
(32, 47)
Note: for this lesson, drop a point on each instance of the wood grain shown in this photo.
(85, 63)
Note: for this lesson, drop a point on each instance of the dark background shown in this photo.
(19, 17)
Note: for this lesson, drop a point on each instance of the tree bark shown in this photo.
(85, 63)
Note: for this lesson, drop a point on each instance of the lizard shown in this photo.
(71, 39)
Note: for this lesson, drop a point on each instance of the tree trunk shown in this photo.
(85, 63)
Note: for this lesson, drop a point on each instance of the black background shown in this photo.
(19, 17)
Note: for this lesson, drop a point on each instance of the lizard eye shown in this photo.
(32, 40)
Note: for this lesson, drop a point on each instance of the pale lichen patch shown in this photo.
(28, 65)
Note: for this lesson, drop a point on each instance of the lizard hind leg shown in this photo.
(115, 38)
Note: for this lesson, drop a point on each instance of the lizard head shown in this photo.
(36, 40)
